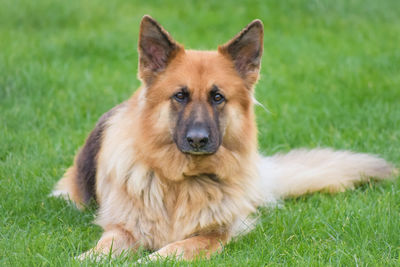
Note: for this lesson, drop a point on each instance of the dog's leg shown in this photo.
(114, 241)
(191, 248)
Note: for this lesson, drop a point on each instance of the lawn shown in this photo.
(330, 78)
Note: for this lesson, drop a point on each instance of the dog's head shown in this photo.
(202, 98)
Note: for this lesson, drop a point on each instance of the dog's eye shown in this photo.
(180, 96)
(218, 98)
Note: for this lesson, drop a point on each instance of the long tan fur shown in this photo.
(151, 194)
(305, 171)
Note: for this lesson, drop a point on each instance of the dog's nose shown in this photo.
(197, 137)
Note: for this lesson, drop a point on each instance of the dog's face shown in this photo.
(201, 96)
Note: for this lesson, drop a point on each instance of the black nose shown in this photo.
(197, 137)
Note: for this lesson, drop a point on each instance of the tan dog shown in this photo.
(175, 168)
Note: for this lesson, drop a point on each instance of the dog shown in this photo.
(176, 170)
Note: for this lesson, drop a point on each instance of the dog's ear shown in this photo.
(156, 49)
(245, 50)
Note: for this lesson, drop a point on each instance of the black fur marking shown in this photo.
(211, 176)
(86, 162)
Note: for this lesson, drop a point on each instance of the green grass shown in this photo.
(330, 78)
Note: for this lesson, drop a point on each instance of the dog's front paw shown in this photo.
(171, 251)
(91, 255)
(152, 257)
(143, 260)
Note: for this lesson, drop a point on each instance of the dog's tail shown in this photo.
(305, 171)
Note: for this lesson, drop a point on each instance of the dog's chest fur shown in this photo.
(157, 213)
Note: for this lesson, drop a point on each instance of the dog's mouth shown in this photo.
(197, 152)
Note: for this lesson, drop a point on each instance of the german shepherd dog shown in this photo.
(175, 169)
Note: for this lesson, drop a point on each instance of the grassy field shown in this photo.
(330, 78)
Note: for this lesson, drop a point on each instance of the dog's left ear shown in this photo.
(245, 50)
(156, 49)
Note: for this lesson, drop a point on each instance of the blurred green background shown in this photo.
(330, 77)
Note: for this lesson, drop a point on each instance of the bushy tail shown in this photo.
(304, 171)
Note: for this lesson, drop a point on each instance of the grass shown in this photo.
(330, 78)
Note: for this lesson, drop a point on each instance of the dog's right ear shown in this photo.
(156, 49)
